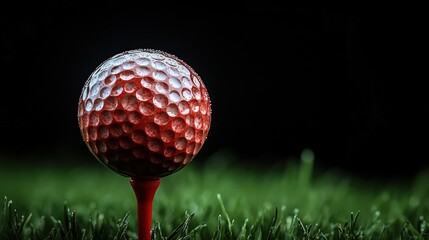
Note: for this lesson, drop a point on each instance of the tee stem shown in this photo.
(144, 190)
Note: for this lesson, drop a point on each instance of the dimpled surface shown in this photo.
(144, 113)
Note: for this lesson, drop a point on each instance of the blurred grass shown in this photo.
(224, 199)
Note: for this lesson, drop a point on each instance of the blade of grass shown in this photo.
(182, 228)
(228, 220)
(243, 232)
(122, 227)
(272, 225)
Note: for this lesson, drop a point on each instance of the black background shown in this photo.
(342, 82)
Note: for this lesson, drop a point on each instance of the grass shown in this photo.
(219, 199)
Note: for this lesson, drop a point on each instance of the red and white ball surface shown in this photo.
(144, 113)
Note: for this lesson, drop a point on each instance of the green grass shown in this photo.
(219, 199)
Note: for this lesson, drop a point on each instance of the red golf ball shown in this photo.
(144, 113)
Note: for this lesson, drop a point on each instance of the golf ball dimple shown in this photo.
(144, 113)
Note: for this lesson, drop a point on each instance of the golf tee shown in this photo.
(144, 190)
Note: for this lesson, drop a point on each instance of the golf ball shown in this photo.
(144, 113)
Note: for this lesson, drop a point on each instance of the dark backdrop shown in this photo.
(341, 82)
